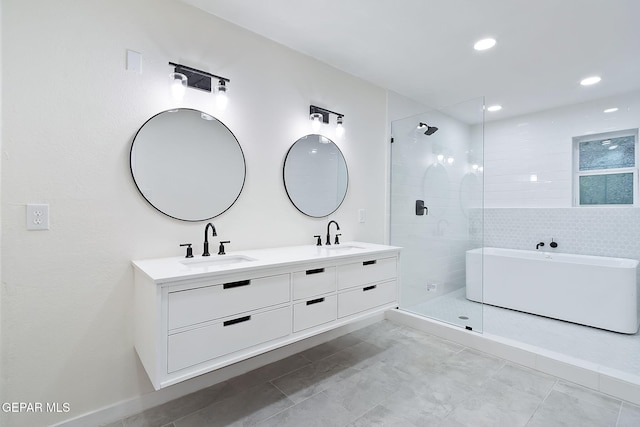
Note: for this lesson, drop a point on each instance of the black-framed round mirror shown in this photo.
(315, 175)
(187, 164)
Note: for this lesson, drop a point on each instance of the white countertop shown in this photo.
(163, 270)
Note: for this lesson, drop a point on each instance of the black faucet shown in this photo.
(206, 238)
(539, 245)
(328, 234)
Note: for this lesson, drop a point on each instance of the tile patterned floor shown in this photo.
(391, 375)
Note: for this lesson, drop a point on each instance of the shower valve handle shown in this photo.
(421, 209)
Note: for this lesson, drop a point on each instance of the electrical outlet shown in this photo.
(37, 217)
(432, 287)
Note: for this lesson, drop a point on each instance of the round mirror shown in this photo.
(315, 175)
(187, 164)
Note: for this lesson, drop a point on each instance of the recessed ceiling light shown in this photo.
(590, 81)
(494, 108)
(484, 44)
(611, 110)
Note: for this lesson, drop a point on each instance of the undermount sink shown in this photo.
(216, 261)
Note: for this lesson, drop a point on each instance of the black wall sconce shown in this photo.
(183, 77)
(319, 115)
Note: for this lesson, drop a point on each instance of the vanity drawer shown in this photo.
(199, 305)
(369, 271)
(365, 298)
(201, 344)
(313, 312)
(313, 282)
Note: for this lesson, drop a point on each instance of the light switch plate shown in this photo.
(134, 61)
(37, 217)
(362, 215)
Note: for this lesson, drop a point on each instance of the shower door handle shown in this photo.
(421, 209)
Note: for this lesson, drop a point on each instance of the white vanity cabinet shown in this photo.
(215, 299)
(192, 320)
(366, 284)
(314, 295)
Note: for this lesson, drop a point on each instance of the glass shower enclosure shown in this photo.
(437, 211)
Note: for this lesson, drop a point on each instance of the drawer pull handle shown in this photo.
(236, 284)
(238, 320)
(315, 271)
(368, 288)
(369, 262)
(315, 301)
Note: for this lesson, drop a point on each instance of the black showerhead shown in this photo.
(429, 130)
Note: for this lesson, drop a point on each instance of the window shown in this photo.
(605, 169)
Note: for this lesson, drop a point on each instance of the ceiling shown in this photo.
(423, 49)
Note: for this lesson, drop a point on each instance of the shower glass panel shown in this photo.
(437, 211)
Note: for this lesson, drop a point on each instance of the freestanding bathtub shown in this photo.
(590, 290)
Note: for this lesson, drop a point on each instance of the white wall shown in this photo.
(541, 144)
(70, 113)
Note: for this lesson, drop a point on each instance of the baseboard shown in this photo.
(129, 407)
(621, 385)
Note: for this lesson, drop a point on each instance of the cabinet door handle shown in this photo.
(238, 320)
(315, 271)
(315, 301)
(368, 288)
(369, 262)
(236, 284)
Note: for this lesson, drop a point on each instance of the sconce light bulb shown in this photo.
(340, 127)
(474, 167)
(440, 157)
(222, 99)
(178, 85)
(315, 121)
(450, 160)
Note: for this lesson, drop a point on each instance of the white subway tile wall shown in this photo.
(540, 145)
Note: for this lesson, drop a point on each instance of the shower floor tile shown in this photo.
(610, 350)
(453, 308)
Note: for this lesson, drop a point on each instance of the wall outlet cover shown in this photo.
(37, 217)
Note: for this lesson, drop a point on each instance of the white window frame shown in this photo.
(577, 173)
